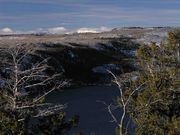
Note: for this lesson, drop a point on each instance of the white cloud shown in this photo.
(92, 30)
(54, 30)
(86, 30)
(102, 28)
(6, 31)
(57, 30)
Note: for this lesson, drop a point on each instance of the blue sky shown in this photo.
(70, 15)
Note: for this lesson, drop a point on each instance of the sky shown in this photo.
(63, 16)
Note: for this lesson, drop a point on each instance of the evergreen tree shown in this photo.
(155, 108)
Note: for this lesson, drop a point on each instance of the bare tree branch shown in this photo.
(31, 77)
(124, 101)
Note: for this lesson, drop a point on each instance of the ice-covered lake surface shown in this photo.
(94, 117)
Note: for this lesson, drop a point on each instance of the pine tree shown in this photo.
(155, 109)
(153, 99)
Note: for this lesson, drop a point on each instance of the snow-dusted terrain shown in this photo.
(83, 55)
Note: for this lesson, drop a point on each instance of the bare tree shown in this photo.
(26, 78)
(124, 101)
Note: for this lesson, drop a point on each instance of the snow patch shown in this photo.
(71, 54)
(97, 47)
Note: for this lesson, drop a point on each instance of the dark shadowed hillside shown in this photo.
(85, 58)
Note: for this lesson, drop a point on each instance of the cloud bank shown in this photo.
(54, 30)
(6, 30)
(57, 30)
(92, 30)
